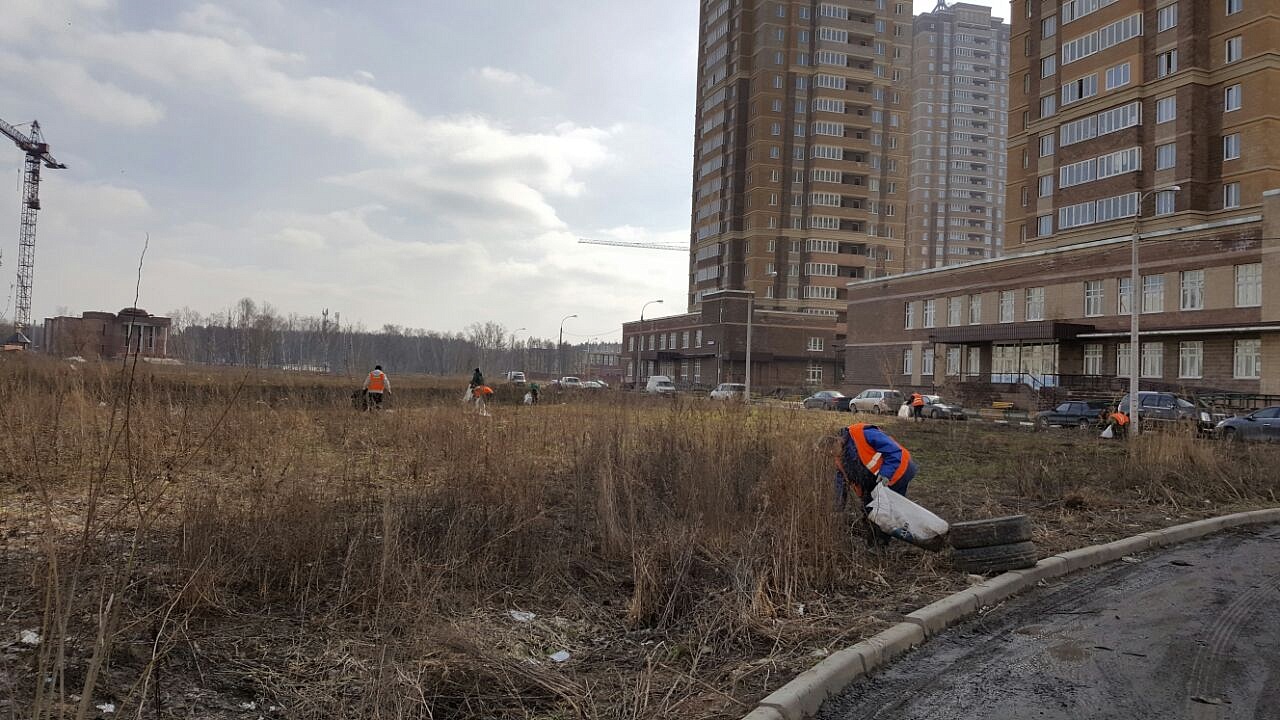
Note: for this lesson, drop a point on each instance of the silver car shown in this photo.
(1262, 425)
(877, 401)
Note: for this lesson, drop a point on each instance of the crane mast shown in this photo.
(37, 154)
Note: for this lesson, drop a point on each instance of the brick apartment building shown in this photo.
(105, 335)
(1130, 117)
(959, 130)
(709, 346)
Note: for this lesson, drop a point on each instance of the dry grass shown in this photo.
(187, 541)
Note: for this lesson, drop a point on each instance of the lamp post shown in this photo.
(640, 340)
(560, 347)
(1135, 309)
(513, 345)
(751, 311)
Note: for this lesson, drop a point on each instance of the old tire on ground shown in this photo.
(985, 533)
(996, 558)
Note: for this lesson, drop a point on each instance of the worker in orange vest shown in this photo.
(864, 456)
(1119, 424)
(480, 394)
(376, 384)
(917, 406)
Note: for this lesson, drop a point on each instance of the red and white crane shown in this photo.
(37, 151)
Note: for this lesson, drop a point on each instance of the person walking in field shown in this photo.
(481, 394)
(865, 455)
(917, 407)
(376, 385)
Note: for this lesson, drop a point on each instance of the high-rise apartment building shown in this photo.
(1114, 102)
(959, 124)
(800, 150)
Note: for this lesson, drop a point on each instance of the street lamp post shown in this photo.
(513, 346)
(560, 348)
(1135, 298)
(639, 338)
(751, 311)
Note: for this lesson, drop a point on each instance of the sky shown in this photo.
(408, 162)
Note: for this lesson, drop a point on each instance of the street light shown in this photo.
(513, 343)
(560, 347)
(640, 341)
(1135, 297)
(751, 311)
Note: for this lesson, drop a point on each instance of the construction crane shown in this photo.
(641, 245)
(37, 151)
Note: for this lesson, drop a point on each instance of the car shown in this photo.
(594, 385)
(1075, 413)
(569, 383)
(729, 391)
(827, 400)
(1167, 407)
(1262, 425)
(935, 407)
(515, 377)
(877, 401)
(660, 385)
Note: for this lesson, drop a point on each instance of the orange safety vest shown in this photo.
(1120, 418)
(482, 390)
(871, 459)
(917, 400)
(377, 382)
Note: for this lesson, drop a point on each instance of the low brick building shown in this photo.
(108, 335)
(702, 349)
(1058, 319)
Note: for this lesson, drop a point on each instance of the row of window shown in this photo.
(665, 341)
(1248, 293)
(1246, 360)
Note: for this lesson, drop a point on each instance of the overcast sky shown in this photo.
(416, 162)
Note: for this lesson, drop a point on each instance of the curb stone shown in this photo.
(800, 698)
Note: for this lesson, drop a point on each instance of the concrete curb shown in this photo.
(801, 698)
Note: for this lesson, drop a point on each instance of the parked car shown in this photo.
(515, 377)
(935, 407)
(1167, 407)
(827, 400)
(1076, 413)
(880, 402)
(594, 385)
(1262, 425)
(660, 385)
(569, 383)
(729, 391)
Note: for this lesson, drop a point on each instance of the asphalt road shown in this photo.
(1188, 632)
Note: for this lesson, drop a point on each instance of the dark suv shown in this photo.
(1076, 413)
(1168, 407)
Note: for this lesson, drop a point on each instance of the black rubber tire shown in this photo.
(1084, 424)
(986, 533)
(996, 558)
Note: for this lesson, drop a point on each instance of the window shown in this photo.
(1006, 306)
(651, 341)
(1093, 295)
(1234, 49)
(1248, 360)
(1153, 360)
(631, 344)
(955, 311)
(1124, 296)
(974, 365)
(929, 312)
(1044, 225)
(1102, 38)
(1231, 147)
(1047, 106)
(1166, 17)
(910, 315)
(1192, 290)
(1249, 285)
(1166, 156)
(1231, 196)
(1152, 293)
(1092, 359)
(908, 356)
(1191, 359)
(975, 309)
(926, 361)
(815, 344)
(1035, 304)
(1166, 109)
(953, 361)
(1166, 63)
(1080, 89)
(1232, 98)
(1122, 359)
(813, 373)
(1049, 26)
(1046, 145)
(1166, 201)
(1048, 66)
(1234, 6)
(1046, 185)
(1117, 76)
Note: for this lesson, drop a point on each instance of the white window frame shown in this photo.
(815, 344)
(930, 313)
(1246, 360)
(1231, 147)
(1191, 293)
(1248, 285)
(1230, 195)
(1152, 360)
(1124, 296)
(1094, 298)
(908, 361)
(1167, 17)
(1233, 49)
(1167, 156)
(1007, 304)
(1191, 359)
(1152, 294)
(909, 315)
(1232, 98)
(1092, 359)
(1034, 304)
(975, 309)
(1166, 109)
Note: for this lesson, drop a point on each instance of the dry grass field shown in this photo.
(199, 543)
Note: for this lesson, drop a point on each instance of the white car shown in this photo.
(729, 391)
(570, 382)
(660, 384)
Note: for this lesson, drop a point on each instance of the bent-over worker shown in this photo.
(864, 455)
(917, 406)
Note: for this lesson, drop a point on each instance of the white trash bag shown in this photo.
(904, 412)
(904, 519)
(528, 398)
(1108, 434)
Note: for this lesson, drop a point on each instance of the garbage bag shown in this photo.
(904, 519)
(528, 398)
(904, 412)
(1108, 434)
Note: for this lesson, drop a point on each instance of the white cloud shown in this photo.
(509, 79)
(72, 86)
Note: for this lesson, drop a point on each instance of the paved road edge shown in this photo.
(801, 697)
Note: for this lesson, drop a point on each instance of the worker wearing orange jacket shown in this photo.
(376, 384)
(917, 406)
(865, 455)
